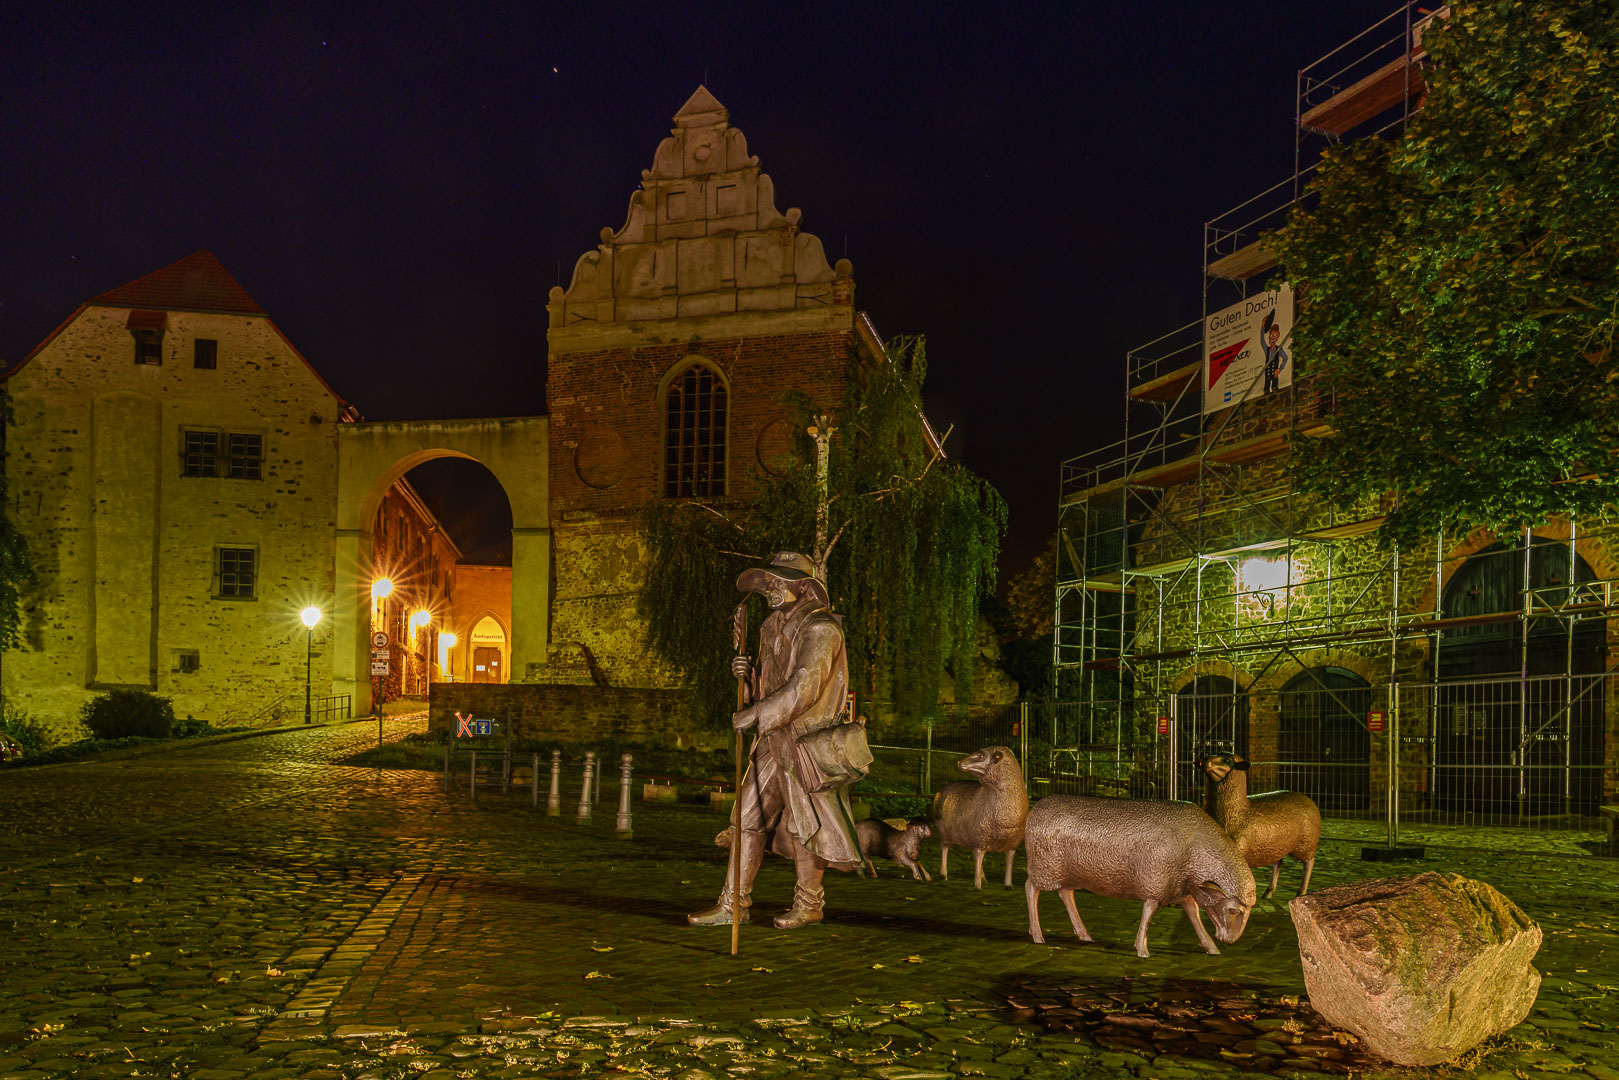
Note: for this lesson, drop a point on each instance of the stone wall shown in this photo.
(574, 713)
(705, 270)
(125, 543)
(1262, 615)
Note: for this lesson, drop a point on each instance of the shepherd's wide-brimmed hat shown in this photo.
(784, 566)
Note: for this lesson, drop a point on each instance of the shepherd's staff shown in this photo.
(739, 637)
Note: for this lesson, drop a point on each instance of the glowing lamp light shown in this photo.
(1263, 575)
(447, 640)
(381, 587)
(310, 616)
(419, 619)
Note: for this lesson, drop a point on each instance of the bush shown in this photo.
(26, 732)
(911, 807)
(122, 714)
(185, 729)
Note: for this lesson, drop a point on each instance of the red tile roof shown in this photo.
(196, 283)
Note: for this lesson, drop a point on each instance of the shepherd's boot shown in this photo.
(806, 909)
(753, 849)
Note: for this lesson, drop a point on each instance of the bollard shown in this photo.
(474, 774)
(623, 824)
(534, 780)
(596, 794)
(584, 792)
(553, 804)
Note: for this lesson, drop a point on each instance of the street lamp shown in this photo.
(446, 642)
(421, 619)
(310, 616)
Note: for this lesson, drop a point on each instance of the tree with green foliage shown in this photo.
(15, 568)
(911, 543)
(1459, 282)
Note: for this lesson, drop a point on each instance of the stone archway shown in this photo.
(371, 457)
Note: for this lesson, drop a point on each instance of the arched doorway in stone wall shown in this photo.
(1520, 700)
(1211, 714)
(1322, 743)
(371, 458)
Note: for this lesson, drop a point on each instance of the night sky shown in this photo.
(1025, 184)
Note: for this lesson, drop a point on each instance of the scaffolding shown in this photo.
(1191, 573)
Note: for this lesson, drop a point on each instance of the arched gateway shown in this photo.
(371, 457)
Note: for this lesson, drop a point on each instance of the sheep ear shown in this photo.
(1208, 894)
(1240, 763)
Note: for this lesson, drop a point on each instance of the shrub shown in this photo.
(911, 807)
(121, 714)
(26, 732)
(185, 729)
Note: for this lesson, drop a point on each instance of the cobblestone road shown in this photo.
(256, 908)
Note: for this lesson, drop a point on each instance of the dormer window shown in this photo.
(147, 328)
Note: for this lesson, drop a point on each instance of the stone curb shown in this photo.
(125, 753)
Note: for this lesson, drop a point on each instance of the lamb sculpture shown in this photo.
(985, 814)
(896, 838)
(1268, 827)
(1137, 849)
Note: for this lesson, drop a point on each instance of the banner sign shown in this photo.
(1248, 349)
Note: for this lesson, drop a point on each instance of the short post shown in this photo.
(474, 774)
(584, 791)
(553, 804)
(623, 824)
(534, 780)
(596, 793)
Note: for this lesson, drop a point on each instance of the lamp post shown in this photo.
(422, 620)
(446, 642)
(310, 616)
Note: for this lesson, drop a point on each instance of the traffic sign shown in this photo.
(379, 640)
(379, 667)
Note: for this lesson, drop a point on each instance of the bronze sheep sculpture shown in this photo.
(1267, 828)
(985, 813)
(1135, 849)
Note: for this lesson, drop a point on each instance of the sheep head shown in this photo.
(981, 763)
(1219, 766)
(1228, 913)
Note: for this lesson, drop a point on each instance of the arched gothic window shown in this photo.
(695, 410)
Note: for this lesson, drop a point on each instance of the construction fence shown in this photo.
(1485, 762)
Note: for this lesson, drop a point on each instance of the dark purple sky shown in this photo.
(1025, 184)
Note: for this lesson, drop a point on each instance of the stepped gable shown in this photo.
(702, 237)
(195, 283)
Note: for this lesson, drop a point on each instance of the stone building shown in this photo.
(1204, 603)
(187, 481)
(174, 469)
(670, 352)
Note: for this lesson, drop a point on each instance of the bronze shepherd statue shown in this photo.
(807, 751)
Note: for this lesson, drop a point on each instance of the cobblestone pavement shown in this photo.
(256, 908)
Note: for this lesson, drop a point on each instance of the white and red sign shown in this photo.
(1248, 349)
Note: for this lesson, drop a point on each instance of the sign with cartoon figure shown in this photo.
(1248, 349)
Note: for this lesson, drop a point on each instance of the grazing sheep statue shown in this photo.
(896, 838)
(985, 814)
(1137, 849)
(1268, 827)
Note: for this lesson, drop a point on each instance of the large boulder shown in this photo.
(1421, 968)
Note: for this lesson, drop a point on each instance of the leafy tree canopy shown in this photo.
(910, 548)
(1460, 283)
